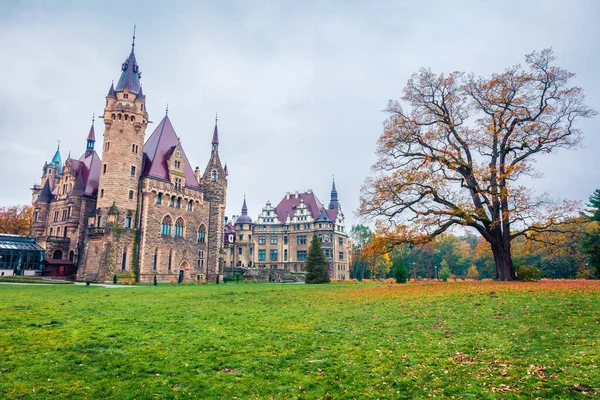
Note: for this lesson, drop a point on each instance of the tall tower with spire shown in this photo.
(214, 185)
(125, 120)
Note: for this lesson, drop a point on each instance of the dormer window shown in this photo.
(124, 66)
(125, 96)
(177, 164)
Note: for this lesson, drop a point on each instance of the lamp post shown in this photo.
(415, 271)
(436, 272)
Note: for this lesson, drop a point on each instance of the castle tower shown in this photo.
(125, 120)
(214, 185)
(243, 230)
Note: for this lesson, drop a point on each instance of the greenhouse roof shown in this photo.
(16, 242)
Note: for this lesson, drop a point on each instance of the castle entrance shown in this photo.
(184, 271)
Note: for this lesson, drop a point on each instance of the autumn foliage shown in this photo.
(453, 151)
(16, 220)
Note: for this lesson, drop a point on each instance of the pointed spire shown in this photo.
(167, 110)
(215, 139)
(141, 95)
(130, 73)
(333, 203)
(133, 42)
(244, 207)
(46, 193)
(111, 91)
(56, 160)
(91, 139)
(225, 171)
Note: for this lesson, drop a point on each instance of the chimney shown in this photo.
(296, 194)
(197, 173)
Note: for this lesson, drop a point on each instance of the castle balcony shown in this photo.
(96, 231)
(326, 244)
(58, 239)
(72, 221)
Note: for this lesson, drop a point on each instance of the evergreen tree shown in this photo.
(115, 279)
(316, 264)
(400, 272)
(591, 241)
(444, 272)
(155, 283)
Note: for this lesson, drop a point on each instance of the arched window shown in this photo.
(124, 259)
(165, 229)
(132, 118)
(119, 116)
(71, 256)
(159, 199)
(170, 259)
(58, 231)
(214, 175)
(114, 116)
(126, 117)
(172, 201)
(57, 255)
(201, 234)
(65, 231)
(178, 203)
(51, 231)
(155, 260)
(190, 205)
(179, 227)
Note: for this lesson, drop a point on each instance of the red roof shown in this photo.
(288, 206)
(158, 149)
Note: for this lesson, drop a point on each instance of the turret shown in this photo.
(333, 202)
(91, 139)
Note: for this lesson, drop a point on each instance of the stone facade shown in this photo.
(281, 235)
(140, 210)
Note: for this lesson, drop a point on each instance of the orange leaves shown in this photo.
(16, 220)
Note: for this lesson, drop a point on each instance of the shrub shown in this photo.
(528, 273)
(217, 279)
(115, 279)
(444, 273)
(472, 273)
(155, 283)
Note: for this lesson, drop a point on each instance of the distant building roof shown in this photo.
(287, 206)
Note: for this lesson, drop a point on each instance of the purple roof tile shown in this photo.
(288, 206)
(88, 166)
(157, 150)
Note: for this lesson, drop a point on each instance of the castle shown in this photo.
(141, 209)
(277, 243)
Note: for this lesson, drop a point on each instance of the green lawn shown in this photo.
(467, 340)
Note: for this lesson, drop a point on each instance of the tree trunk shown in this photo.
(504, 264)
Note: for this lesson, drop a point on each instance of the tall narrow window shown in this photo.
(170, 259)
(172, 201)
(178, 203)
(104, 169)
(132, 171)
(179, 227)
(214, 175)
(131, 195)
(190, 204)
(166, 226)
(155, 260)
(124, 259)
(159, 199)
(201, 234)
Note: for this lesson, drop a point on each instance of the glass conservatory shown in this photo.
(19, 254)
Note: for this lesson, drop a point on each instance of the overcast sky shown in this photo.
(299, 86)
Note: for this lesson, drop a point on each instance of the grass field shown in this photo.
(467, 340)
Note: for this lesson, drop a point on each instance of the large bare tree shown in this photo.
(454, 155)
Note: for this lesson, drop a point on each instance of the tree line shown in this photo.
(572, 253)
